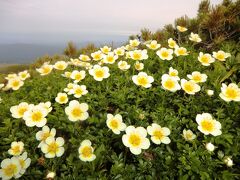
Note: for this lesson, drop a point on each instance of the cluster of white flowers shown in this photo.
(17, 165)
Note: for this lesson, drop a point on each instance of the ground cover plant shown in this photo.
(140, 111)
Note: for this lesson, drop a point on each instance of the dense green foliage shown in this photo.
(139, 107)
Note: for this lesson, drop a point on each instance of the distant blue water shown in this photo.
(21, 53)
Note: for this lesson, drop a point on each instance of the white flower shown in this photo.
(61, 98)
(53, 147)
(23, 75)
(86, 151)
(15, 83)
(16, 148)
(11, 76)
(205, 59)
(45, 69)
(78, 90)
(181, 29)
(24, 162)
(75, 62)
(134, 43)
(136, 139)
(221, 55)
(115, 123)
(197, 77)
(228, 161)
(172, 44)
(84, 57)
(10, 168)
(1, 85)
(195, 37)
(67, 74)
(190, 87)
(60, 65)
(68, 88)
(210, 92)
(153, 45)
(119, 51)
(142, 79)
(78, 75)
(123, 65)
(51, 175)
(188, 135)
(19, 110)
(76, 111)
(99, 73)
(44, 134)
(170, 83)
(36, 116)
(159, 134)
(230, 92)
(181, 51)
(139, 66)
(207, 125)
(46, 105)
(165, 54)
(106, 49)
(128, 47)
(97, 56)
(173, 73)
(110, 58)
(210, 147)
(138, 54)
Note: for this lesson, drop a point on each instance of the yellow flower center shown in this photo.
(15, 83)
(205, 59)
(37, 116)
(197, 78)
(173, 73)
(188, 86)
(78, 91)
(169, 84)
(188, 136)
(62, 98)
(84, 58)
(76, 112)
(46, 70)
(16, 149)
(220, 56)
(136, 56)
(22, 162)
(10, 170)
(153, 46)
(53, 147)
(142, 81)
(114, 124)
(97, 56)
(172, 44)
(60, 66)
(78, 76)
(22, 110)
(165, 54)
(181, 51)
(207, 125)
(86, 151)
(158, 134)
(134, 140)
(110, 59)
(24, 75)
(99, 73)
(231, 93)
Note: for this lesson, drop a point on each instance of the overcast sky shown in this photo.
(55, 21)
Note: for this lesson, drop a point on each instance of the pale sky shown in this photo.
(57, 21)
